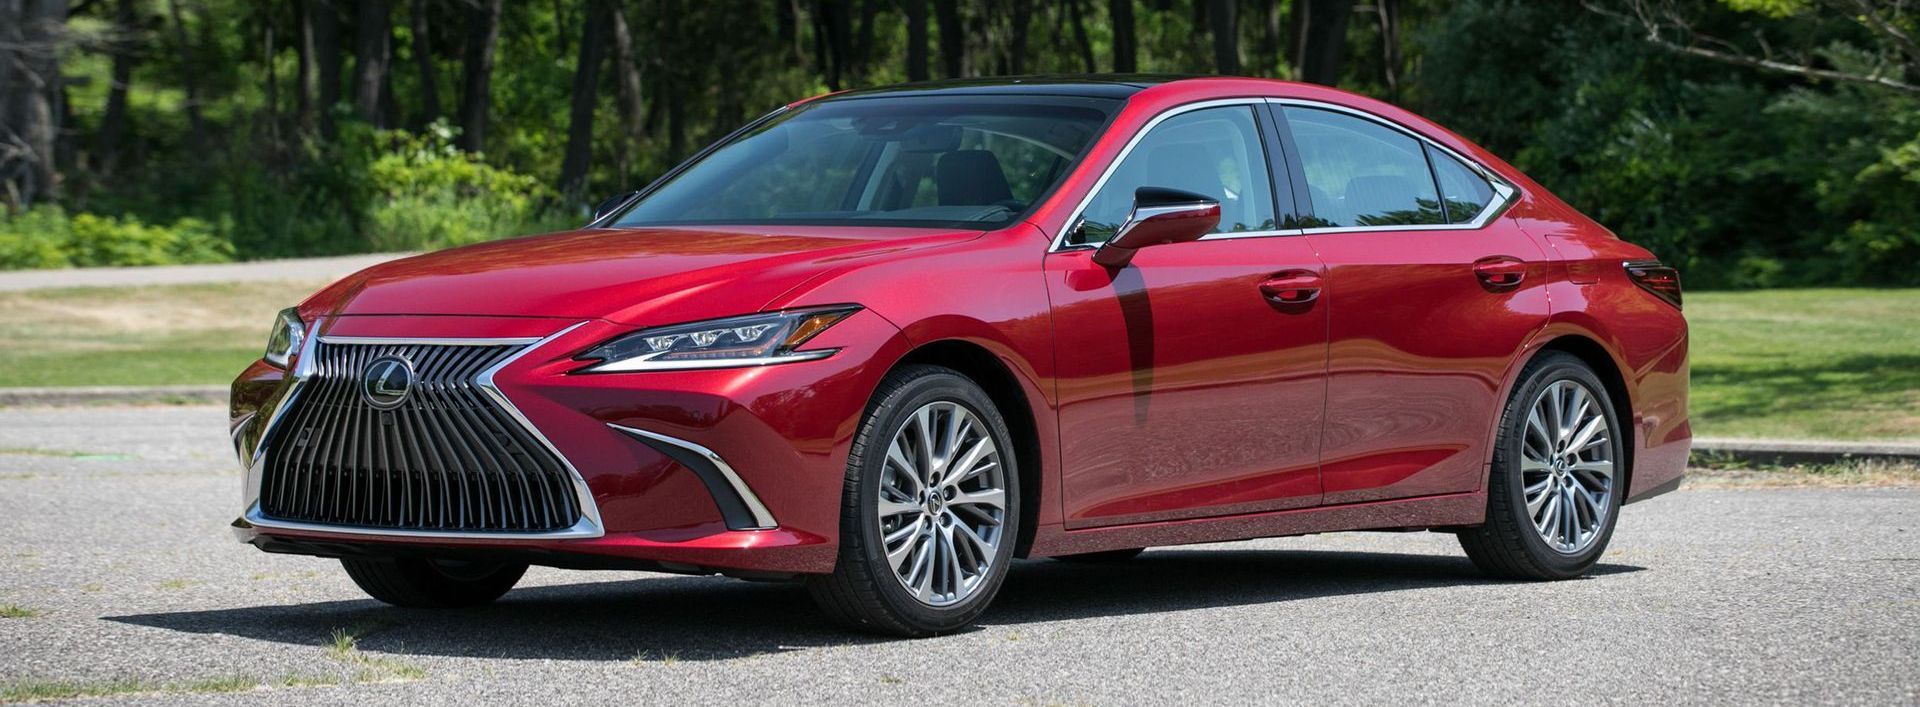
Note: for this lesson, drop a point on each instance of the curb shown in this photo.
(1778, 451)
(114, 395)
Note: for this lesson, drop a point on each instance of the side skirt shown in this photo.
(1446, 511)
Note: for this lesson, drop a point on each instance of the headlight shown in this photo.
(754, 340)
(288, 333)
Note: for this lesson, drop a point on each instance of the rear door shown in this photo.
(1185, 389)
(1430, 294)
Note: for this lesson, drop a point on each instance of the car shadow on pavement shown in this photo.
(711, 618)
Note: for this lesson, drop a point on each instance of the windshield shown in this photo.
(943, 162)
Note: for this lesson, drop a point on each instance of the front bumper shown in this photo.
(714, 470)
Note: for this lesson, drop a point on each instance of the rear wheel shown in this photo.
(1558, 476)
(1107, 556)
(433, 584)
(929, 511)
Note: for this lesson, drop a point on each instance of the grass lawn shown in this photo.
(1832, 364)
(1836, 364)
(158, 335)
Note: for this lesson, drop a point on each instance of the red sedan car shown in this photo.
(887, 341)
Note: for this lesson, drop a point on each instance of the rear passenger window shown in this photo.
(1463, 192)
(1361, 173)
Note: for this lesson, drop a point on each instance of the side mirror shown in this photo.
(612, 204)
(1160, 216)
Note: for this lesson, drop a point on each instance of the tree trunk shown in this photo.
(1076, 14)
(327, 59)
(953, 37)
(1017, 45)
(304, 84)
(113, 125)
(1389, 13)
(31, 39)
(189, 76)
(916, 12)
(1120, 13)
(1271, 34)
(863, 39)
(1320, 39)
(422, 49)
(633, 113)
(272, 109)
(483, 32)
(372, 26)
(586, 96)
(674, 80)
(1226, 36)
(837, 22)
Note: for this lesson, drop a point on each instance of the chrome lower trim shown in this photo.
(762, 518)
(589, 525)
(584, 529)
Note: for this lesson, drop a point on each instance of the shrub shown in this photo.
(428, 194)
(46, 237)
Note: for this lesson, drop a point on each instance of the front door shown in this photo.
(1187, 388)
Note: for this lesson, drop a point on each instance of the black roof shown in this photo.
(1116, 86)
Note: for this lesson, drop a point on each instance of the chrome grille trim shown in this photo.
(481, 390)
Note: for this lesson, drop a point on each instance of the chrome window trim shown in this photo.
(762, 518)
(589, 526)
(1503, 192)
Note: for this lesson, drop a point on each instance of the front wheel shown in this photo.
(930, 509)
(1558, 476)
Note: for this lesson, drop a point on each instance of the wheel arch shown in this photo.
(985, 368)
(1598, 358)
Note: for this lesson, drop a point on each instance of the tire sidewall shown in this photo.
(1553, 368)
(886, 419)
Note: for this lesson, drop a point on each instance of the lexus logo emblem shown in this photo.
(387, 381)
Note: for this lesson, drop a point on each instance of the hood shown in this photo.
(636, 276)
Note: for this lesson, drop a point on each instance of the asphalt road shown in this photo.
(111, 532)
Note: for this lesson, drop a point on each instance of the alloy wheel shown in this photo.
(942, 503)
(1567, 466)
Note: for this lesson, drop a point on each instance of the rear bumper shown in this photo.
(734, 470)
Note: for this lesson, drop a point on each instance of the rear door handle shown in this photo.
(1500, 270)
(1292, 287)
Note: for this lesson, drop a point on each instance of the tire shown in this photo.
(1510, 544)
(1102, 557)
(432, 584)
(866, 591)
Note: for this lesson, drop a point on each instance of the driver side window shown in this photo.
(1212, 151)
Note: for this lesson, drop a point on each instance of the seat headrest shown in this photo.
(970, 178)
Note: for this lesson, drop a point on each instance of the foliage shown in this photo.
(46, 237)
(428, 194)
(1743, 176)
(1742, 179)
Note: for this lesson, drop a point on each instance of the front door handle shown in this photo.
(1292, 287)
(1500, 271)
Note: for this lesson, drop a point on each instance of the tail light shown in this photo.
(1662, 281)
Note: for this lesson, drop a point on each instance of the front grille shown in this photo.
(446, 458)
